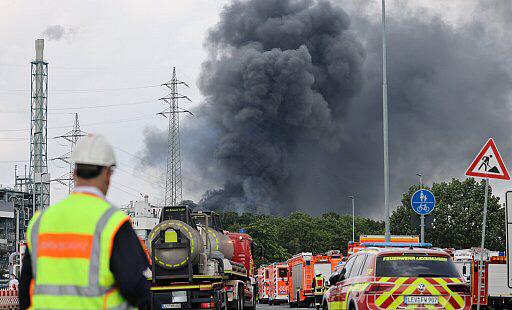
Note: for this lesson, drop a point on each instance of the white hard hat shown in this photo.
(94, 150)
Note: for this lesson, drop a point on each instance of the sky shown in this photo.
(106, 62)
(99, 53)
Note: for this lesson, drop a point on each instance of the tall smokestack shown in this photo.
(39, 49)
(39, 130)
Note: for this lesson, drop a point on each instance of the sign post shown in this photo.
(508, 223)
(423, 202)
(487, 164)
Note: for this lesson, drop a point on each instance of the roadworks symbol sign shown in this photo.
(488, 163)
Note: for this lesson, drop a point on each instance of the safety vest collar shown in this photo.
(89, 190)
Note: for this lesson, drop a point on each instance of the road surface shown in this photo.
(280, 307)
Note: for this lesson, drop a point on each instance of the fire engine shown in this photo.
(263, 284)
(278, 283)
(302, 269)
(494, 289)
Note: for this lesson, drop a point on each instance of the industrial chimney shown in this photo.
(39, 49)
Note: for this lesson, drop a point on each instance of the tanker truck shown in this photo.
(197, 265)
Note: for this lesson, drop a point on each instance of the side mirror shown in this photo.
(334, 278)
(343, 274)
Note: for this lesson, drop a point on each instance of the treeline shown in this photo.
(456, 222)
(282, 237)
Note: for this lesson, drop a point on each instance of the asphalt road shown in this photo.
(280, 307)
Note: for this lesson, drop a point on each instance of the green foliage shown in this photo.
(456, 222)
(457, 218)
(282, 237)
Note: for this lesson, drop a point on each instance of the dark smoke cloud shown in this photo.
(293, 111)
(280, 73)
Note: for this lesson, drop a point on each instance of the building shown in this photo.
(144, 216)
(14, 204)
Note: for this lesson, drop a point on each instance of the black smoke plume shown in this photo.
(280, 73)
(292, 118)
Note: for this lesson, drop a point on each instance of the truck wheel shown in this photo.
(352, 306)
(299, 304)
(240, 301)
(253, 304)
(222, 303)
(325, 306)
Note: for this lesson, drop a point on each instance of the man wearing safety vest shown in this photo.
(82, 252)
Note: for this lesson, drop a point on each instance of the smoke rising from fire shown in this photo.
(292, 118)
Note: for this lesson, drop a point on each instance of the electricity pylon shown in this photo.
(173, 183)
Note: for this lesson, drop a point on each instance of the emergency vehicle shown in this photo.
(354, 247)
(263, 284)
(302, 269)
(198, 265)
(398, 278)
(278, 283)
(494, 289)
(323, 266)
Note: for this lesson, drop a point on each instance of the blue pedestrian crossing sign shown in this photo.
(423, 201)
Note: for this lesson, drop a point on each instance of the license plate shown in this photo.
(179, 296)
(421, 300)
(171, 306)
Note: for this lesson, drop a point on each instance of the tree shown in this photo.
(283, 237)
(457, 219)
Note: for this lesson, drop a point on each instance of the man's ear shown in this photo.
(108, 173)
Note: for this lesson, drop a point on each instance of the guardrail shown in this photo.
(9, 299)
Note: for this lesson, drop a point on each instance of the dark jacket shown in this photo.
(127, 263)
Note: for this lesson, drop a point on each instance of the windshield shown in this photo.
(283, 273)
(416, 266)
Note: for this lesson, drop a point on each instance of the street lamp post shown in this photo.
(385, 125)
(353, 219)
(422, 216)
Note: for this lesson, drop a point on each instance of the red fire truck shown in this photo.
(302, 269)
(494, 289)
(263, 284)
(278, 286)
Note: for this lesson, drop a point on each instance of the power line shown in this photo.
(90, 124)
(133, 155)
(154, 183)
(80, 91)
(92, 69)
(82, 107)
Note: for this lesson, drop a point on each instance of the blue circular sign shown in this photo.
(423, 201)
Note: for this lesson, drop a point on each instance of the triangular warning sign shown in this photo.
(488, 163)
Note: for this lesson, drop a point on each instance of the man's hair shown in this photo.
(88, 171)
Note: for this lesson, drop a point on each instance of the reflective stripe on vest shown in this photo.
(84, 249)
(94, 289)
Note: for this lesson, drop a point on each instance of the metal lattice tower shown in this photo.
(40, 186)
(72, 137)
(173, 184)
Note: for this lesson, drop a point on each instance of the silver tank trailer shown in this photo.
(220, 243)
(173, 259)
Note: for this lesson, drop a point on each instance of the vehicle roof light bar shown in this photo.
(397, 244)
